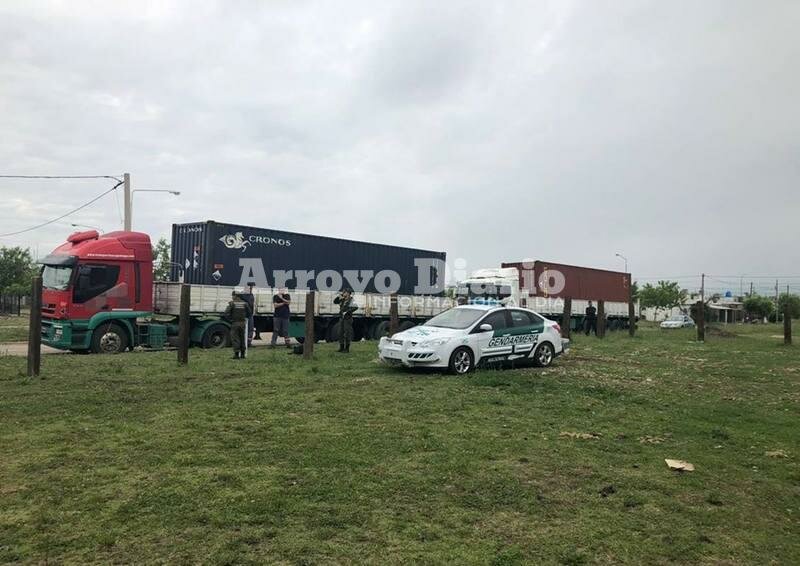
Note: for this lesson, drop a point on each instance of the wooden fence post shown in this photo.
(393, 316)
(35, 328)
(183, 325)
(308, 342)
(566, 318)
(601, 318)
(787, 323)
(701, 321)
(631, 317)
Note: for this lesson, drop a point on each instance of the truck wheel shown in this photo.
(461, 361)
(544, 354)
(216, 336)
(109, 339)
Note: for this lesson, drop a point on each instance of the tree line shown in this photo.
(668, 295)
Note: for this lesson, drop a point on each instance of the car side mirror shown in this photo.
(485, 327)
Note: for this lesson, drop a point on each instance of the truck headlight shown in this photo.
(434, 343)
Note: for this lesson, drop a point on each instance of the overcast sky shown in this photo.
(566, 131)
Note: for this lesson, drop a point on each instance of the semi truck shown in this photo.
(543, 285)
(99, 296)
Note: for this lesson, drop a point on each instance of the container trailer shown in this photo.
(542, 286)
(218, 253)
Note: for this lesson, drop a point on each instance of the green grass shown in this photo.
(13, 328)
(339, 460)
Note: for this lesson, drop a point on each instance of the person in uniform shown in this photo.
(346, 307)
(590, 320)
(237, 313)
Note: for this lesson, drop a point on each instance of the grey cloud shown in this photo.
(559, 130)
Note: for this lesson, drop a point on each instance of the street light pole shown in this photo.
(625, 259)
(129, 209)
(126, 181)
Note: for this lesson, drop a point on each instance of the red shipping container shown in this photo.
(562, 281)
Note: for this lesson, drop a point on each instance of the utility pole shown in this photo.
(703, 288)
(127, 184)
(751, 289)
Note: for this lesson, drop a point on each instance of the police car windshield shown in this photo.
(456, 318)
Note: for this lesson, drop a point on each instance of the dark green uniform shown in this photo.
(346, 308)
(237, 314)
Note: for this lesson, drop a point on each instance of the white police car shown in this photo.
(465, 337)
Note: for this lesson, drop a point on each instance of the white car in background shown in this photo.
(465, 337)
(678, 321)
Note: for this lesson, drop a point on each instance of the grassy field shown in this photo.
(339, 460)
(13, 328)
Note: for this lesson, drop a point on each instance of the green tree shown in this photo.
(758, 306)
(16, 270)
(663, 295)
(794, 304)
(161, 260)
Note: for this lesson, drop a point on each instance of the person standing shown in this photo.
(280, 320)
(250, 298)
(346, 307)
(590, 320)
(237, 313)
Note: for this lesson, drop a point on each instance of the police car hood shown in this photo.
(421, 333)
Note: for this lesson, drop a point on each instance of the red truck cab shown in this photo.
(94, 289)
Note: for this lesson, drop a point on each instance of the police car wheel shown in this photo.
(109, 339)
(543, 356)
(462, 361)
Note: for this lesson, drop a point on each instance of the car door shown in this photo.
(495, 343)
(525, 330)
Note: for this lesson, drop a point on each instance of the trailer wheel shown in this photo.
(359, 330)
(372, 330)
(334, 331)
(216, 336)
(382, 329)
(109, 339)
(405, 325)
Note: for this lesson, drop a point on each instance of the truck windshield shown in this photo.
(56, 277)
(456, 318)
(482, 290)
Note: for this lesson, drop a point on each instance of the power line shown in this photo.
(59, 177)
(73, 211)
